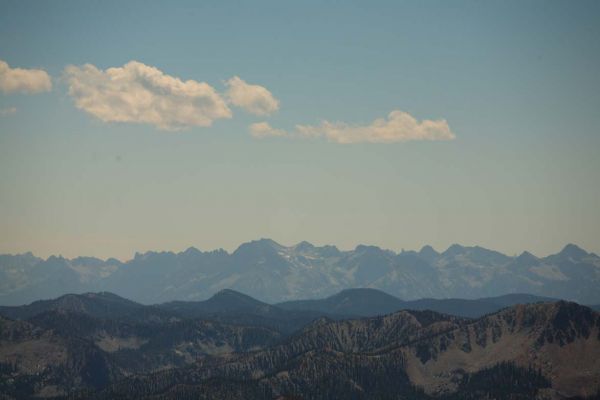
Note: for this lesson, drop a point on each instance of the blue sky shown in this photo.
(517, 84)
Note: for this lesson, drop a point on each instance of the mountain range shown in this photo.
(272, 273)
(354, 344)
(231, 306)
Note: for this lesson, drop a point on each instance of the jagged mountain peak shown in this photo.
(453, 250)
(367, 248)
(153, 255)
(329, 251)
(573, 251)
(428, 253)
(191, 251)
(56, 258)
(526, 259)
(304, 246)
(427, 249)
(372, 254)
(258, 246)
(527, 254)
(476, 254)
(88, 261)
(267, 242)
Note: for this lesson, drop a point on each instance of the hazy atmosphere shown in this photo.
(130, 126)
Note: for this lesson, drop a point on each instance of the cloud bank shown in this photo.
(13, 80)
(254, 99)
(139, 93)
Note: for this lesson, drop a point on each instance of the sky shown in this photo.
(143, 125)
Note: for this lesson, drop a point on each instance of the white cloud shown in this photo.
(399, 126)
(23, 80)
(8, 111)
(261, 130)
(253, 98)
(140, 93)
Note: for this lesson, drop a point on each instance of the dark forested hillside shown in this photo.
(233, 346)
(372, 302)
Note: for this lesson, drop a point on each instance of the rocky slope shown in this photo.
(548, 350)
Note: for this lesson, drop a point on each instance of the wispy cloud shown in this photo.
(254, 99)
(8, 111)
(140, 93)
(13, 80)
(262, 130)
(399, 126)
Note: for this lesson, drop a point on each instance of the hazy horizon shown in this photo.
(289, 245)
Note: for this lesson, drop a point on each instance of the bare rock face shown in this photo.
(560, 339)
